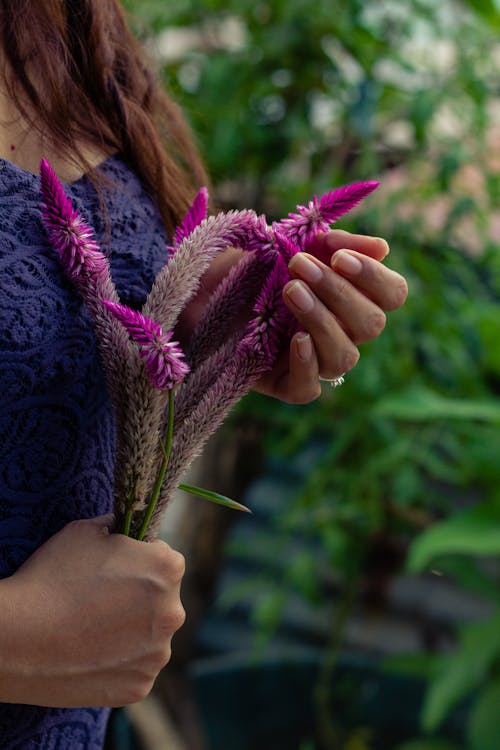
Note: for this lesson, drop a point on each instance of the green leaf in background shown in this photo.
(422, 404)
(484, 725)
(459, 673)
(490, 11)
(475, 532)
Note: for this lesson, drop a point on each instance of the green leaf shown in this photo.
(488, 9)
(214, 497)
(461, 672)
(420, 405)
(484, 723)
(475, 532)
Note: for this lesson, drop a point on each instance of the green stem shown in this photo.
(163, 469)
(127, 522)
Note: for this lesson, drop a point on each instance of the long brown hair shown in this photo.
(80, 76)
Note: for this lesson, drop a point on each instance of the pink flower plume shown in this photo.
(273, 322)
(319, 213)
(285, 245)
(163, 358)
(193, 218)
(68, 234)
(338, 202)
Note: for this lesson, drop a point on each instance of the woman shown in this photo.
(86, 618)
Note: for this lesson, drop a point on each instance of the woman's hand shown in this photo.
(339, 294)
(348, 297)
(88, 619)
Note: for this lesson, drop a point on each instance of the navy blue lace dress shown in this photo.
(56, 420)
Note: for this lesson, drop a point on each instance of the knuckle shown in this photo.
(164, 656)
(137, 691)
(177, 566)
(170, 564)
(175, 618)
(160, 657)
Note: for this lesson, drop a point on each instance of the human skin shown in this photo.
(349, 290)
(88, 619)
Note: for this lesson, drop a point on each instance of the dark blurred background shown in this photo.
(359, 607)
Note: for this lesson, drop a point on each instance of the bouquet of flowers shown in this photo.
(167, 402)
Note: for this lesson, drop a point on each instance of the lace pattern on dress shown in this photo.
(56, 420)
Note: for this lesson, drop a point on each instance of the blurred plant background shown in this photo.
(393, 478)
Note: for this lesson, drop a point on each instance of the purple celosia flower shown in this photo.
(336, 203)
(285, 245)
(193, 218)
(273, 321)
(261, 240)
(321, 212)
(163, 358)
(237, 290)
(180, 278)
(68, 234)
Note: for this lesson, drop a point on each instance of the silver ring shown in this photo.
(336, 381)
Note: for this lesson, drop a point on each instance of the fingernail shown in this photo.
(306, 268)
(300, 296)
(347, 263)
(304, 346)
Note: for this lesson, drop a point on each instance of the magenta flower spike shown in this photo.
(321, 212)
(163, 358)
(68, 234)
(336, 203)
(273, 320)
(193, 218)
(286, 247)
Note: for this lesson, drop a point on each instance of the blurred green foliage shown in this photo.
(290, 98)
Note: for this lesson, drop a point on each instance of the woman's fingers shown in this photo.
(295, 376)
(344, 308)
(324, 244)
(302, 382)
(383, 286)
(336, 352)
